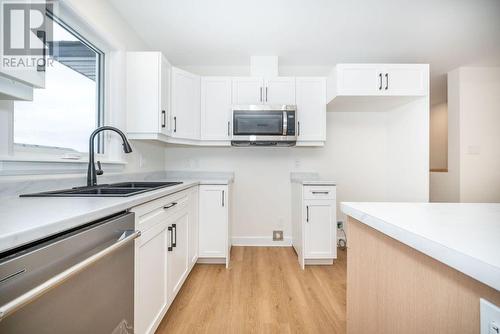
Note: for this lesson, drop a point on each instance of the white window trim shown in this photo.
(22, 159)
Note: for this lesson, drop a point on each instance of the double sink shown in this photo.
(123, 189)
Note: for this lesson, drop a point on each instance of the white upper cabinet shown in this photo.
(248, 90)
(185, 104)
(216, 108)
(166, 74)
(379, 80)
(148, 93)
(359, 79)
(279, 90)
(257, 90)
(311, 108)
(402, 79)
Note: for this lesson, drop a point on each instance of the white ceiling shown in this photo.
(444, 33)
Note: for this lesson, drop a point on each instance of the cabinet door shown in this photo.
(151, 277)
(178, 256)
(215, 108)
(280, 90)
(248, 90)
(185, 104)
(319, 229)
(193, 228)
(165, 112)
(311, 108)
(406, 79)
(213, 221)
(144, 92)
(359, 79)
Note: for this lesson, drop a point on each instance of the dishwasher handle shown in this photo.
(53, 282)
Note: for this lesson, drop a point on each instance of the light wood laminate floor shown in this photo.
(263, 291)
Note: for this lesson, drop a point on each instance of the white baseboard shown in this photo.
(261, 241)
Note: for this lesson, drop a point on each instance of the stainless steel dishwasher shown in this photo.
(80, 281)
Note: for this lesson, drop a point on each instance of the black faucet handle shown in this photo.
(99, 170)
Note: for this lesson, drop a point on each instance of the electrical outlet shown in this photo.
(490, 317)
(340, 224)
(277, 235)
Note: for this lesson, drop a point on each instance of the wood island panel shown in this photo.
(392, 288)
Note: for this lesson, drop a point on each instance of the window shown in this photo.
(70, 107)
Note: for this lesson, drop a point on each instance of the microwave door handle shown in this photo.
(285, 123)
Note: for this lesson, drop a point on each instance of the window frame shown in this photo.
(100, 98)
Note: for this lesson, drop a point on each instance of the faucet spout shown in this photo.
(91, 171)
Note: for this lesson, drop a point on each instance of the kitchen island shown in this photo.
(421, 267)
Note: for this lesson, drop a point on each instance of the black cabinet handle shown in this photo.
(307, 213)
(260, 94)
(298, 129)
(41, 35)
(163, 119)
(166, 207)
(386, 81)
(175, 123)
(223, 198)
(266, 93)
(321, 192)
(228, 129)
(169, 248)
(174, 232)
(380, 85)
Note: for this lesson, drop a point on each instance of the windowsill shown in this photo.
(33, 164)
(22, 158)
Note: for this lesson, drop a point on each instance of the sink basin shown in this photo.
(142, 184)
(123, 189)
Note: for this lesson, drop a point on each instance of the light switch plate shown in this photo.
(490, 317)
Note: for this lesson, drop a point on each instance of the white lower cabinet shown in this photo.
(163, 254)
(214, 241)
(177, 252)
(150, 278)
(314, 223)
(319, 229)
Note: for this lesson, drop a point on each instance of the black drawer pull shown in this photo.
(166, 207)
(320, 192)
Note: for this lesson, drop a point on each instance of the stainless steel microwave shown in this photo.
(264, 125)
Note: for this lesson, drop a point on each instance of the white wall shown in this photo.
(120, 37)
(356, 156)
(474, 113)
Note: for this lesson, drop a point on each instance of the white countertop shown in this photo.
(27, 219)
(464, 236)
(310, 179)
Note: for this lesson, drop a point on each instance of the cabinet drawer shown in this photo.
(319, 192)
(154, 212)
